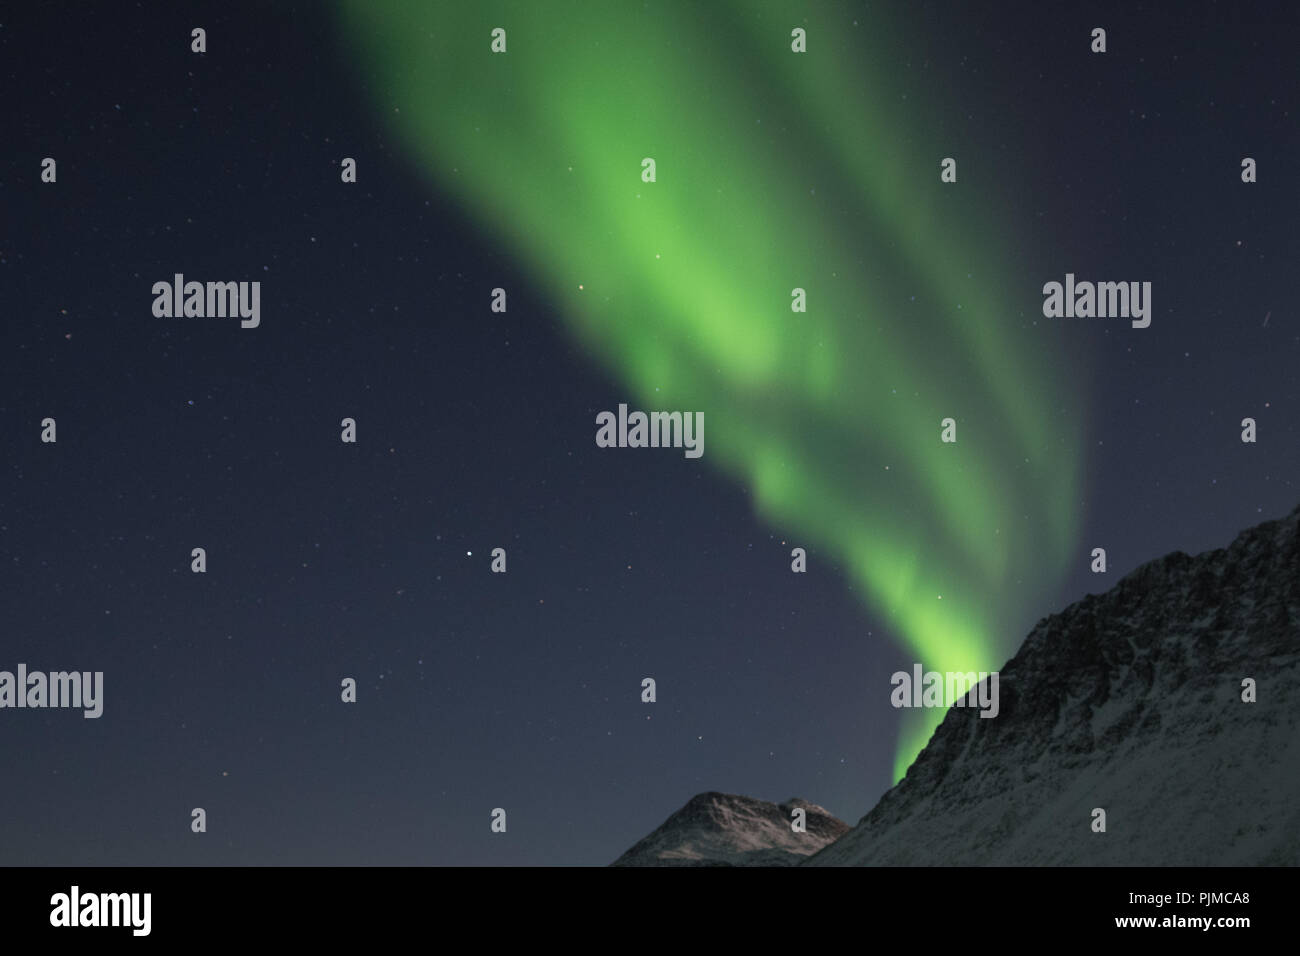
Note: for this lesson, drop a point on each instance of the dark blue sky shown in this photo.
(476, 431)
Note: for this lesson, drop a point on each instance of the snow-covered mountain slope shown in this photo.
(1129, 701)
(722, 829)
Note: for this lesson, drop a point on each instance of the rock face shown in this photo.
(1129, 701)
(722, 829)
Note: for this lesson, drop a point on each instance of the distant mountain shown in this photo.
(1130, 701)
(722, 829)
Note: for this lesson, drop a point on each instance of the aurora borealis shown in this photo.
(350, 676)
(774, 171)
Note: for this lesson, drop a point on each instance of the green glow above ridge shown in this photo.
(775, 170)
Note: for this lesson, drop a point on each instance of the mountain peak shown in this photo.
(1130, 702)
(727, 829)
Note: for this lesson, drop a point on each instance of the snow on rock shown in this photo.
(1130, 701)
(722, 829)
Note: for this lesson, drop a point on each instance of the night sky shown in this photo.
(476, 429)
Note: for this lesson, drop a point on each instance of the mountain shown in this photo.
(1130, 701)
(722, 829)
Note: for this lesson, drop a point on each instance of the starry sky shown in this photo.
(476, 429)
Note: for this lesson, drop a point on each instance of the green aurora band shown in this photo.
(772, 174)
